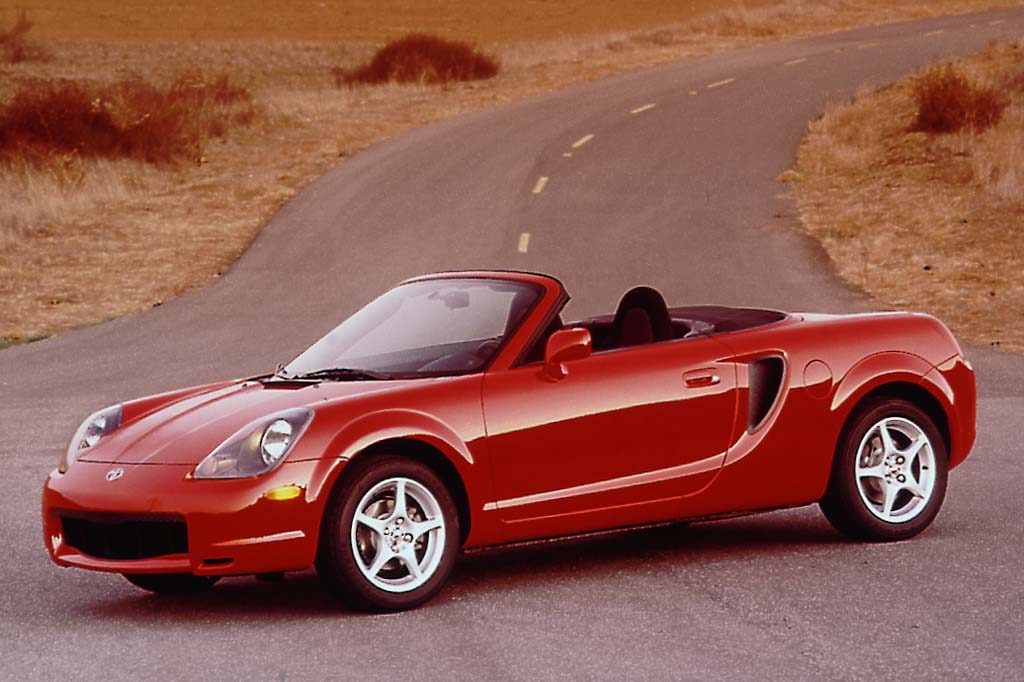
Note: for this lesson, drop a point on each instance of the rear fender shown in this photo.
(874, 371)
(891, 367)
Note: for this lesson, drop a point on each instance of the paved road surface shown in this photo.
(681, 195)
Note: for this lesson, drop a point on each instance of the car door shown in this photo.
(615, 442)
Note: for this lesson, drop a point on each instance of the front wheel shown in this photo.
(889, 475)
(390, 535)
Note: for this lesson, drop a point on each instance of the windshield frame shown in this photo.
(519, 341)
(538, 284)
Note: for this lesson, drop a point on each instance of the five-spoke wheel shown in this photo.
(390, 534)
(398, 534)
(889, 475)
(895, 469)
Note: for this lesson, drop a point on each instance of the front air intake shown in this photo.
(125, 536)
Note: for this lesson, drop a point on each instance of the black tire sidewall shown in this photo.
(843, 505)
(336, 563)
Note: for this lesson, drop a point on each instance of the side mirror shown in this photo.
(563, 346)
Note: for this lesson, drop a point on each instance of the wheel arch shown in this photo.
(431, 449)
(899, 375)
(913, 393)
(836, 503)
(334, 570)
(428, 455)
(408, 433)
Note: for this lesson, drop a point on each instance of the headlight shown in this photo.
(256, 449)
(92, 431)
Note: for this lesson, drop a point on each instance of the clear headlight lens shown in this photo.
(276, 440)
(256, 449)
(91, 432)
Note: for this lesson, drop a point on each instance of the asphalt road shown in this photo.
(681, 195)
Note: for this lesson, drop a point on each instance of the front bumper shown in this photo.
(232, 527)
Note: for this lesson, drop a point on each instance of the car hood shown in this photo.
(185, 431)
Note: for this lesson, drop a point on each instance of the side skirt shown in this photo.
(682, 521)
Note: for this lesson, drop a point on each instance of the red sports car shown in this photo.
(459, 411)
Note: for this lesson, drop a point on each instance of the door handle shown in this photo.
(697, 378)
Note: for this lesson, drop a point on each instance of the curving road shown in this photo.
(665, 177)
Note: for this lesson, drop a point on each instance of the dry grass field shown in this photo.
(352, 21)
(941, 156)
(100, 229)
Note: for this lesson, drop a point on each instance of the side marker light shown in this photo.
(285, 492)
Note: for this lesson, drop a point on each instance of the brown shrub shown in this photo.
(421, 58)
(15, 46)
(948, 102)
(131, 119)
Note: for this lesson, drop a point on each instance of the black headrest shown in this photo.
(651, 302)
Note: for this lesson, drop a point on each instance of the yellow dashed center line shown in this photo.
(567, 155)
(719, 84)
(936, 32)
(541, 182)
(864, 46)
(644, 108)
(582, 141)
(693, 92)
(524, 242)
(794, 62)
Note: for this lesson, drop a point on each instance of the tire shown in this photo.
(171, 583)
(378, 557)
(889, 474)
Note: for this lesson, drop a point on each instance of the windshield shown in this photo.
(428, 328)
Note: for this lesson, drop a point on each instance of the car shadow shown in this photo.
(740, 539)
(300, 595)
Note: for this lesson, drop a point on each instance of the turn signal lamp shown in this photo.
(285, 492)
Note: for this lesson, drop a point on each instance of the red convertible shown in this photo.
(459, 411)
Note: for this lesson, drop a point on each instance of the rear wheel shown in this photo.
(171, 583)
(390, 535)
(889, 475)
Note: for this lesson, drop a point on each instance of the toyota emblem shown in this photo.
(115, 474)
